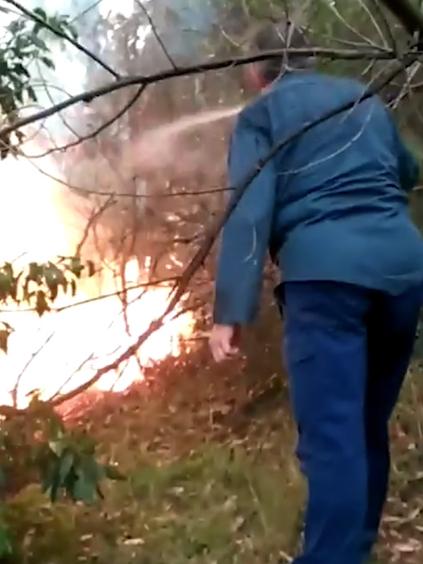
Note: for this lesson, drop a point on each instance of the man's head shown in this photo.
(276, 37)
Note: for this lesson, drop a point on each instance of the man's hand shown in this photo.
(224, 341)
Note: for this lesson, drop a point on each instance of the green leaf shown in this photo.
(20, 135)
(31, 94)
(19, 95)
(5, 333)
(58, 447)
(4, 142)
(91, 268)
(55, 483)
(4, 340)
(84, 490)
(76, 266)
(38, 42)
(92, 471)
(40, 13)
(41, 305)
(20, 69)
(35, 272)
(73, 31)
(5, 285)
(48, 62)
(66, 464)
(53, 277)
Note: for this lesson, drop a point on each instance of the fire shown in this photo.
(60, 351)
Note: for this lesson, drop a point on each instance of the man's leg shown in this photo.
(391, 335)
(326, 355)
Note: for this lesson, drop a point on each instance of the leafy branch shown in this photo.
(38, 285)
(23, 45)
(61, 27)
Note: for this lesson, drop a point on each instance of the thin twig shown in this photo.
(86, 11)
(26, 366)
(385, 22)
(108, 123)
(334, 9)
(92, 220)
(156, 34)
(160, 195)
(51, 100)
(374, 22)
(405, 90)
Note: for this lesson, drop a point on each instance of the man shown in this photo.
(332, 209)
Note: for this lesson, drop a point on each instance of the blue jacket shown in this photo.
(332, 205)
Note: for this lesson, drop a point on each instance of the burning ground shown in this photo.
(133, 242)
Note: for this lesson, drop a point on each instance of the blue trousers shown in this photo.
(347, 350)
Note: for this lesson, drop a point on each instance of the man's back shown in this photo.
(332, 207)
(339, 193)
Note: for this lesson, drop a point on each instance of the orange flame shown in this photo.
(60, 351)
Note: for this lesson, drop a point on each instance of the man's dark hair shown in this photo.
(282, 36)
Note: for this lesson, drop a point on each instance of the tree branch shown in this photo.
(68, 38)
(89, 96)
(126, 355)
(109, 122)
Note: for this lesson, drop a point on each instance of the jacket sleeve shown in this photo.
(246, 234)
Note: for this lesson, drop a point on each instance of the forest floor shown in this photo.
(211, 476)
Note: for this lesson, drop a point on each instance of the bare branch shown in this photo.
(374, 22)
(384, 20)
(68, 38)
(26, 366)
(406, 90)
(97, 131)
(89, 96)
(367, 40)
(92, 220)
(51, 100)
(126, 355)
